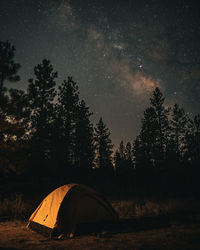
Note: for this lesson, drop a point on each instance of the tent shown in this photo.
(69, 206)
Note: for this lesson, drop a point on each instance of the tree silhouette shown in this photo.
(84, 141)
(193, 140)
(16, 113)
(153, 138)
(117, 162)
(129, 155)
(146, 148)
(122, 150)
(178, 131)
(123, 159)
(41, 93)
(67, 107)
(162, 123)
(104, 146)
(140, 156)
(8, 68)
(12, 128)
(119, 159)
(9, 128)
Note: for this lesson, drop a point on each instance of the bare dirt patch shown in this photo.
(15, 235)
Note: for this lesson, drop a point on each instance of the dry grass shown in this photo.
(132, 208)
(15, 206)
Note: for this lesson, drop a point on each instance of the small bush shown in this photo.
(14, 207)
(132, 208)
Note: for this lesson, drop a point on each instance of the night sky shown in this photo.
(117, 52)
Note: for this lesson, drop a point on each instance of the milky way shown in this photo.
(117, 51)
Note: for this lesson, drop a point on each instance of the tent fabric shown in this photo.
(70, 205)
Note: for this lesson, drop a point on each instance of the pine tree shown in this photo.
(67, 108)
(41, 93)
(139, 154)
(119, 158)
(153, 138)
(117, 162)
(178, 130)
(129, 155)
(146, 144)
(122, 150)
(123, 158)
(104, 146)
(193, 140)
(16, 113)
(13, 148)
(84, 141)
(8, 68)
(161, 121)
(8, 72)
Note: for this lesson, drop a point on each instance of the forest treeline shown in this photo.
(46, 131)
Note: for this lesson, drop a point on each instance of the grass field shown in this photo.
(16, 206)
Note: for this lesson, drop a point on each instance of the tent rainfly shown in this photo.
(69, 206)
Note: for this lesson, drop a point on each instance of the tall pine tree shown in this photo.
(178, 131)
(103, 146)
(13, 146)
(41, 93)
(64, 124)
(193, 141)
(162, 123)
(83, 140)
(8, 68)
(153, 137)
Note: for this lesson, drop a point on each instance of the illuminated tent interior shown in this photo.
(69, 206)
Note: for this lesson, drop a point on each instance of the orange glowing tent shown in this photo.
(69, 206)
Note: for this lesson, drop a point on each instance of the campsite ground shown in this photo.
(146, 222)
(176, 235)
